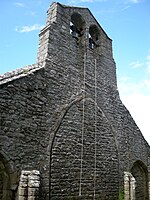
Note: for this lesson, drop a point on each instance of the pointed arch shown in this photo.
(140, 173)
(66, 152)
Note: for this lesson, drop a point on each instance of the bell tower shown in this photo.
(72, 36)
(78, 57)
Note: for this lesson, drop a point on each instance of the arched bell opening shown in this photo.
(94, 36)
(77, 26)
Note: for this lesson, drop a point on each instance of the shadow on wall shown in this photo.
(5, 184)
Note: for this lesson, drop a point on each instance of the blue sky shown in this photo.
(127, 23)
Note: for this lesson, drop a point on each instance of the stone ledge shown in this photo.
(21, 72)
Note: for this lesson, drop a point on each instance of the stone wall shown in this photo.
(81, 154)
(63, 116)
(24, 135)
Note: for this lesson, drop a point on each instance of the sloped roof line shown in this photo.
(21, 72)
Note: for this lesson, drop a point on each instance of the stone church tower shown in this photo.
(64, 132)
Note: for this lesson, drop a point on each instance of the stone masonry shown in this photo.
(64, 132)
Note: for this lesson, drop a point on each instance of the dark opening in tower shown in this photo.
(94, 36)
(77, 26)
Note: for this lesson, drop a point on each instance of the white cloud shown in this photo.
(134, 1)
(32, 13)
(139, 107)
(130, 2)
(148, 63)
(19, 4)
(75, 2)
(136, 97)
(145, 64)
(86, 0)
(125, 8)
(24, 29)
(136, 64)
(127, 86)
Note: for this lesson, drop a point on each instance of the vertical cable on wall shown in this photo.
(95, 127)
(82, 131)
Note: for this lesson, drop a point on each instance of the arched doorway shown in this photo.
(5, 193)
(140, 173)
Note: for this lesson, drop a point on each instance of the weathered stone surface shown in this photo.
(22, 191)
(64, 118)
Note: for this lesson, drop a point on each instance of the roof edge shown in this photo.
(20, 72)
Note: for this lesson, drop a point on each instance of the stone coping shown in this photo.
(19, 73)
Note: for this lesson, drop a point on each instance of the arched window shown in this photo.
(76, 25)
(94, 36)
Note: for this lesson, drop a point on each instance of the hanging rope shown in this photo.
(82, 131)
(95, 127)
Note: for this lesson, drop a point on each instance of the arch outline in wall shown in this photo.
(61, 112)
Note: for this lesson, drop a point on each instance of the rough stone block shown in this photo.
(22, 191)
(33, 191)
(22, 198)
(33, 183)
